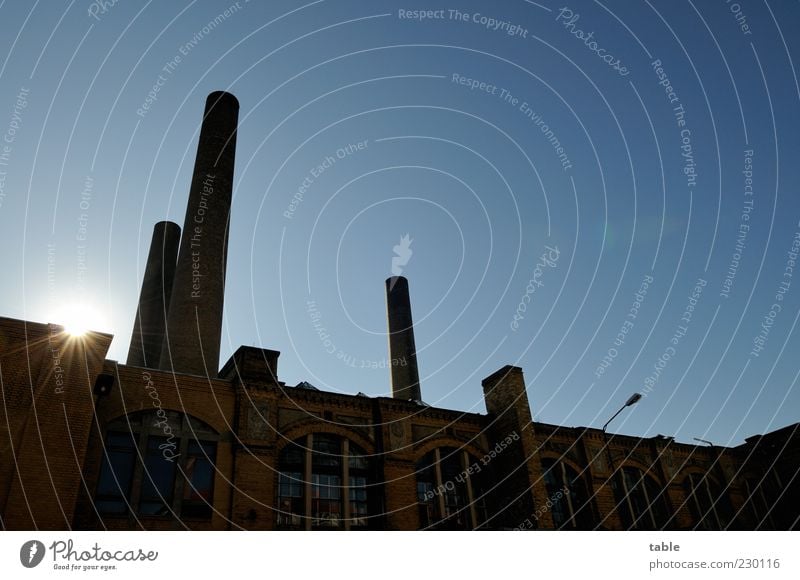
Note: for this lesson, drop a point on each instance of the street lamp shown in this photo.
(632, 400)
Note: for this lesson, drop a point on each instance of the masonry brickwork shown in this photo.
(54, 433)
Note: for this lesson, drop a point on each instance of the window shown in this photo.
(449, 493)
(157, 465)
(643, 505)
(358, 476)
(291, 487)
(759, 497)
(198, 488)
(328, 490)
(567, 493)
(456, 500)
(427, 499)
(158, 481)
(709, 506)
(116, 474)
(326, 501)
(326, 482)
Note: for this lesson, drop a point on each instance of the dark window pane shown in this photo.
(291, 502)
(633, 483)
(199, 475)
(358, 501)
(480, 487)
(161, 433)
(291, 486)
(326, 505)
(116, 473)
(646, 501)
(427, 501)
(292, 454)
(326, 485)
(158, 479)
(327, 451)
(457, 513)
(568, 496)
(198, 489)
(120, 441)
(708, 503)
(111, 507)
(201, 448)
(657, 505)
(553, 482)
(291, 513)
(196, 510)
(358, 459)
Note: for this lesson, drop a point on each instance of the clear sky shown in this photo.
(603, 193)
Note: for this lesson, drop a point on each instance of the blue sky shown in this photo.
(459, 118)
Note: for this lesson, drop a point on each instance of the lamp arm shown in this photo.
(614, 417)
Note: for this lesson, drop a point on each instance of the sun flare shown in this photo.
(78, 319)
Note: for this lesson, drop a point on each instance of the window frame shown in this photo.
(141, 427)
(651, 505)
(575, 517)
(314, 468)
(439, 514)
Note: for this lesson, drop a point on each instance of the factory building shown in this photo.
(169, 440)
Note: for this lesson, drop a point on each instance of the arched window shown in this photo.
(643, 505)
(759, 497)
(157, 464)
(326, 489)
(450, 490)
(567, 496)
(708, 504)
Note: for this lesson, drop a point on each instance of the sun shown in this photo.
(79, 318)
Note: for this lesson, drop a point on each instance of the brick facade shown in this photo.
(54, 430)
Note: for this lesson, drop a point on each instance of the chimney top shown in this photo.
(217, 97)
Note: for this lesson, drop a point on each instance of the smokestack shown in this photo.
(402, 351)
(194, 323)
(151, 315)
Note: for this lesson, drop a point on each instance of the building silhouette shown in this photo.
(168, 441)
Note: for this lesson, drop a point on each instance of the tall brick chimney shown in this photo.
(194, 323)
(402, 351)
(518, 467)
(151, 315)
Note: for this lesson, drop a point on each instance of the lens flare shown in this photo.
(78, 319)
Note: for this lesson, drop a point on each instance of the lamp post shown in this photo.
(632, 400)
